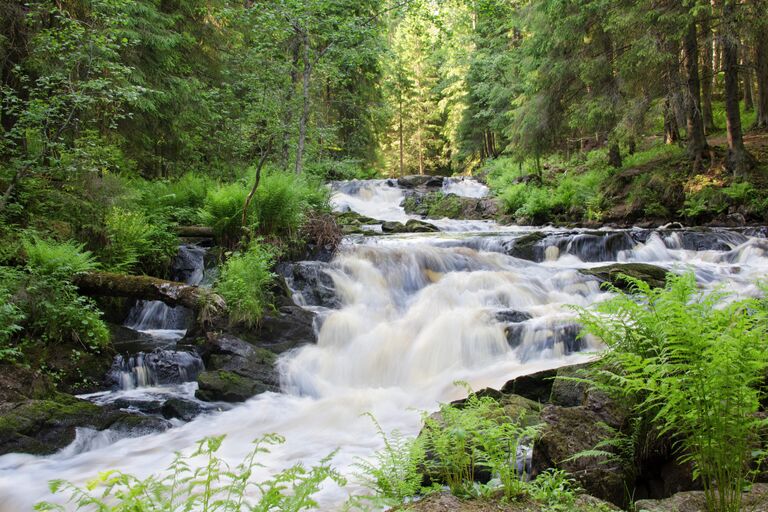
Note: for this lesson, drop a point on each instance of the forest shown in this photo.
(230, 209)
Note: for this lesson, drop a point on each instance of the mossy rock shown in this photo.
(446, 502)
(226, 386)
(43, 427)
(526, 247)
(615, 274)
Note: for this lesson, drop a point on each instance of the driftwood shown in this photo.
(107, 284)
(195, 231)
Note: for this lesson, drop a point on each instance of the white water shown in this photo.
(417, 314)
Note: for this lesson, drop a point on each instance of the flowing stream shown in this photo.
(401, 318)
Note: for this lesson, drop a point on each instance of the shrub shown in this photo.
(477, 435)
(57, 258)
(201, 482)
(692, 363)
(137, 244)
(223, 211)
(395, 472)
(11, 316)
(176, 201)
(245, 282)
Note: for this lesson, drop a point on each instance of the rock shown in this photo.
(419, 226)
(437, 205)
(511, 316)
(527, 247)
(567, 431)
(412, 226)
(651, 274)
(536, 386)
(236, 370)
(42, 427)
(225, 386)
(184, 410)
(420, 181)
(311, 281)
(756, 498)
(446, 502)
(570, 393)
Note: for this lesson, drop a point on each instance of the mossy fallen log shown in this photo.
(194, 231)
(107, 284)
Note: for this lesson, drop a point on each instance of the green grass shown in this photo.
(245, 282)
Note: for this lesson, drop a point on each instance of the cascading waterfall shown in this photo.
(401, 319)
(163, 321)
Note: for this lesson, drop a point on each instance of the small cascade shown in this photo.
(154, 368)
(465, 187)
(157, 318)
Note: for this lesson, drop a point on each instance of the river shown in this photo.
(415, 313)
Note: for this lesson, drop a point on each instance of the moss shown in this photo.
(615, 274)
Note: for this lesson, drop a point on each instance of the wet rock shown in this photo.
(511, 316)
(651, 274)
(536, 386)
(420, 181)
(756, 498)
(135, 425)
(157, 367)
(227, 386)
(184, 410)
(438, 205)
(237, 370)
(568, 431)
(567, 392)
(312, 282)
(42, 427)
(412, 226)
(527, 247)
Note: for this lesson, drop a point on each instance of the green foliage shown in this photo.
(11, 316)
(692, 363)
(477, 435)
(202, 482)
(555, 490)
(135, 243)
(349, 169)
(177, 201)
(395, 473)
(223, 211)
(61, 259)
(245, 282)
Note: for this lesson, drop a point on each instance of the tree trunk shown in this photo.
(614, 156)
(402, 137)
(295, 48)
(739, 160)
(746, 74)
(195, 231)
(707, 76)
(761, 68)
(106, 284)
(671, 129)
(304, 119)
(697, 141)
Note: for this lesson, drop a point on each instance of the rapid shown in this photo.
(411, 315)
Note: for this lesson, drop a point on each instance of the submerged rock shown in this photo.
(185, 410)
(420, 180)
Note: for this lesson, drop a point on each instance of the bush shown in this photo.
(691, 363)
(223, 212)
(137, 244)
(329, 170)
(178, 201)
(201, 482)
(245, 282)
(57, 258)
(11, 316)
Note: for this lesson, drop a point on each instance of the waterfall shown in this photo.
(154, 368)
(401, 318)
(157, 318)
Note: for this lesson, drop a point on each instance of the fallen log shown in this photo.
(107, 284)
(194, 231)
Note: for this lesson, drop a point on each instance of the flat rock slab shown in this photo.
(693, 501)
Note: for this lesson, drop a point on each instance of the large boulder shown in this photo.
(438, 205)
(447, 502)
(235, 370)
(312, 281)
(42, 427)
(568, 431)
(527, 247)
(226, 386)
